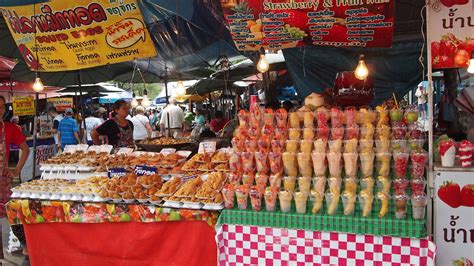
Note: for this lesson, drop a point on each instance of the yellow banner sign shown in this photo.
(78, 34)
(23, 105)
(61, 103)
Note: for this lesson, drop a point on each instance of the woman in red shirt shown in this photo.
(218, 122)
(10, 134)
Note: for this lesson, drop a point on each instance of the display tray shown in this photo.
(387, 226)
(158, 148)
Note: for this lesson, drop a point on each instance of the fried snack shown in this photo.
(270, 196)
(306, 146)
(300, 201)
(190, 165)
(294, 134)
(365, 199)
(308, 133)
(384, 199)
(384, 184)
(350, 185)
(166, 141)
(189, 188)
(349, 199)
(332, 198)
(308, 119)
(169, 187)
(318, 201)
(285, 201)
(294, 120)
(305, 164)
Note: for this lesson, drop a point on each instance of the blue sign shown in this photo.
(145, 170)
(116, 172)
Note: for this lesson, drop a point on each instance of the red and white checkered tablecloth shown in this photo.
(253, 245)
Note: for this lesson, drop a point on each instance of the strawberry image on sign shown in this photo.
(450, 193)
(467, 195)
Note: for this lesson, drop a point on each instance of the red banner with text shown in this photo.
(280, 24)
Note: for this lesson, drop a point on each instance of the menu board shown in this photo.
(280, 24)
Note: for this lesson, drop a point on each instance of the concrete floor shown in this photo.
(10, 259)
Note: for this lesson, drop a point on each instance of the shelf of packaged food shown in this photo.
(37, 211)
(372, 225)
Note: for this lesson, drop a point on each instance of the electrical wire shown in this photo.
(421, 59)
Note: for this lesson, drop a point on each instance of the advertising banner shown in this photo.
(279, 24)
(23, 105)
(454, 217)
(451, 33)
(78, 34)
(61, 103)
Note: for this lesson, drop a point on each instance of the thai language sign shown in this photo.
(451, 33)
(279, 24)
(23, 105)
(454, 219)
(78, 34)
(61, 103)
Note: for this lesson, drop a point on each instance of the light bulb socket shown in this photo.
(361, 57)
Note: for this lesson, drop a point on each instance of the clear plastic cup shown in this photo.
(384, 203)
(308, 119)
(348, 201)
(383, 164)
(294, 120)
(417, 186)
(304, 184)
(334, 184)
(382, 146)
(248, 162)
(306, 146)
(289, 183)
(242, 197)
(383, 184)
(278, 145)
(367, 132)
(350, 164)
(268, 117)
(335, 164)
(367, 163)
(418, 163)
(365, 200)
(280, 134)
(319, 163)
(336, 116)
(276, 163)
(399, 144)
(350, 185)
(317, 199)
(401, 205)
(256, 199)
(261, 161)
(320, 145)
(309, 133)
(235, 162)
(400, 163)
(285, 201)
(281, 116)
(267, 132)
(290, 164)
(305, 165)
(337, 133)
(332, 202)
(292, 145)
(367, 183)
(270, 198)
(261, 179)
(335, 145)
(323, 132)
(235, 178)
(399, 132)
(248, 178)
(264, 145)
(416, 143)
(382, 132)
(228, 193)
(301, 198)
(238, 144)
(400, 186)
(418, 206)
(350, 145)
(352, 131)
(319, 184)
(294, 133)
(244, 117)
(275, 180)
(366, 145)
(251, 145)
(350, 113)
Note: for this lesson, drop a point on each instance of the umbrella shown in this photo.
(90, 88)
(11, 88)
(6, 66)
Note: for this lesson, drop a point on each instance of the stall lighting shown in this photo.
(470, 69)
(361, 71)
(145, 101)
(134, 102)
(262, 64)
(38, 85)
(180, 89)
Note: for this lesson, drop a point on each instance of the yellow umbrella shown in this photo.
(192, 97)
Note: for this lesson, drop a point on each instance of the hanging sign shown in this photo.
(78, 34)
(23, 105)
(279, 24)
(451, 33)
(454, 219)
(61, 103)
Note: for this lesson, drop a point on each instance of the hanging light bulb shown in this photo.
(470, 69)
(134, 102)
(262, 64)
(180, 89)
(145, 101)
(38, 85)
(361, 71)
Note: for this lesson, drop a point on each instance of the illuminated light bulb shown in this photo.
(180, 89)
(262, 64)
(134, 102)
(361, 71)
(470, 69)
(145, 101)
(38, 85)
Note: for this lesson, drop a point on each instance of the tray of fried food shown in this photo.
(190, 165)
(202, 157)
(222, 167)
(171, 160)
(189, 188)
(221, 156)
(217, 199)
(150, 180)
(169, 187)
(206, 167)
(151, 160)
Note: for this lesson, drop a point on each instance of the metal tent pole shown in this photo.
(167, 102)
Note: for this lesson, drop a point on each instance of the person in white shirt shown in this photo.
(141, 124)
(176, 119)
(92, 122)
(421, 94)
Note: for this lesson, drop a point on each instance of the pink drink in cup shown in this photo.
(400, 164)
(256, 198)
(270, 198)
(418, 162)
(228, 193)
(242, 197)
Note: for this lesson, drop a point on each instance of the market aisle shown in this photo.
(10, 259)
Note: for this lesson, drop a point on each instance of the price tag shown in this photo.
(125, 151)
(70, 149)
(145, 170)
(106, 148)
(94, 148)
(116, 172)
(207, 147)
(167, 151)
(184, 154)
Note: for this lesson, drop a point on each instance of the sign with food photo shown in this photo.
(280, 24)
(68, 35)
(451, 33)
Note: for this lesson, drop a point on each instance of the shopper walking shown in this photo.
(422, 94)
(68, 129)
(141, 124)
(92, 121)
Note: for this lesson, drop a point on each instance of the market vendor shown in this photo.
(117, 130)
(10, 134)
